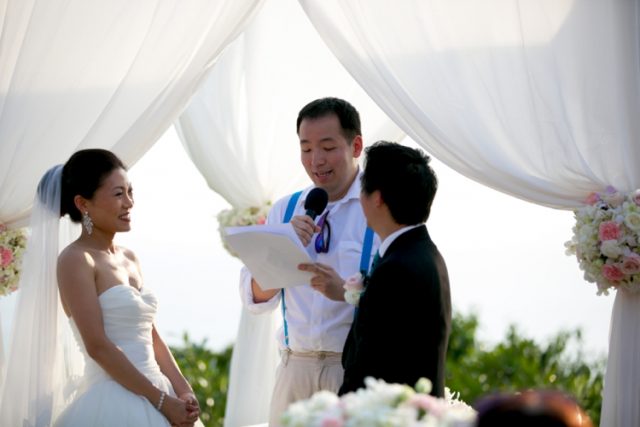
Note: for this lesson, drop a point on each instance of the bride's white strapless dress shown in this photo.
(128, 316)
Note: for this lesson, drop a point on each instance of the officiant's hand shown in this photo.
(304, 227)
(325, 280)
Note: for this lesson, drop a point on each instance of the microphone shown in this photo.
(316, 202)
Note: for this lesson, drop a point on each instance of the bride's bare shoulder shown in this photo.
(74, 255)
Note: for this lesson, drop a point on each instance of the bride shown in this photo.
(130, 377)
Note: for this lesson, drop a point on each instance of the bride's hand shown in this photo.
(175, 410)
(193, 407)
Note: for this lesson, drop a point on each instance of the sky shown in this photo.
(505, 257)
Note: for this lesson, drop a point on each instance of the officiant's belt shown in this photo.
(321, 355)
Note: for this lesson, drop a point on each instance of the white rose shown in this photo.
(632, 220)
(611, 249)
(613, 199)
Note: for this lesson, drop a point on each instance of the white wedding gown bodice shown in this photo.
(128, 316)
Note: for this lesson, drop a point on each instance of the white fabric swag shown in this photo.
(240, 132)
(86, 73)
(539, 99)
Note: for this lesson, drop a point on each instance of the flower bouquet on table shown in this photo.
(236, 217)
(606, 240)
(381, 404)
(12, 246)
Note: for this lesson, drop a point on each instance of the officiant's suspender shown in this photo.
(287, 217)
(364, 258)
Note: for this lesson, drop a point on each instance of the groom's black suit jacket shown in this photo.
(402, 326)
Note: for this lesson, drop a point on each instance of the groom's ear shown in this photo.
(377, 198)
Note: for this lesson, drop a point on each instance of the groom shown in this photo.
(402, 325)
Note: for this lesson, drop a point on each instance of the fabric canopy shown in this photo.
(239, 130)
(88, 73)
(537, 99)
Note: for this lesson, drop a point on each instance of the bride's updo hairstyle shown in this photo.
(82, 175)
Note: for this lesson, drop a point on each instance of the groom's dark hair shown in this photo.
(404, 178)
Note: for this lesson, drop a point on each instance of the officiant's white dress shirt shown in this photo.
(316, 323)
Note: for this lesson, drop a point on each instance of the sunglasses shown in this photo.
(324, 236)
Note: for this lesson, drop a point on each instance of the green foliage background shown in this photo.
(519, 363)
(474, 369)
(208, 374)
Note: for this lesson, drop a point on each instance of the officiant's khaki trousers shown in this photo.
(299, 375)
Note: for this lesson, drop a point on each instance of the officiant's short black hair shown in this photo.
(404, 178)
(347, 114)
(82, 175)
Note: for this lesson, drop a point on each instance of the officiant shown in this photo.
(315, 327)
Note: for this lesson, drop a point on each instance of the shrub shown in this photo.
(473, 368)
(519, 363)
(208, 374)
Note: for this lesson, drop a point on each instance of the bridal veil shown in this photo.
(43, 357)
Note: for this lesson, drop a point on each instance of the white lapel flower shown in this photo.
(353, 288)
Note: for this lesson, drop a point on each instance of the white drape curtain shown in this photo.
(539, 99)
(535, 98)
(239, 130)
(88, 73)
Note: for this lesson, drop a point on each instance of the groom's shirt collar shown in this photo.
(393, 236)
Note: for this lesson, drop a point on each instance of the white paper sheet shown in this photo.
(272, 254)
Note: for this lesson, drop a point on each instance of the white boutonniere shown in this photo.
(353, 289)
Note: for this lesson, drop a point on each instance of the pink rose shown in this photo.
(2, 228)
(636, 197)
(608, 230)
(610, 190)
(6, 256)
(592, 199)
(332, 422)
(354, 283)
(630, 264)
(261, 220)
(427, 403)
(353, 288)
(612, 273)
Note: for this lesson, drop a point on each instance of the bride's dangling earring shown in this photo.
(86, 221)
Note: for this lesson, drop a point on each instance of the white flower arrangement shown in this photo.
(353, 289)
(12, 246)
(235, 217)
(381, 405)
(606, 240)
